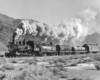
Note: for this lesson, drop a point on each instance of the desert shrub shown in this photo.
(2, 69)
(79, 79)
(43, 72)
(76, 57)
(57, 68)
(59, 65)
(97, 58)
(2, 76)
(82, 61)
(88, 79)
(35, 73)
(30, 61)
(20, 68)
(21, 76)
(55, 77)
(8, 67)
(86, 59)
(75, 79)
(73, 64)
(54, 70)
(72, 57)
(97, 66)
(3, 61)
(61, 60)
(14, 62)
(51, 62)
(63, 75)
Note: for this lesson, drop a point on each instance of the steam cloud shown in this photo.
(75, 30)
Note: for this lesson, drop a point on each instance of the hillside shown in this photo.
(94, 38)
(8, 26)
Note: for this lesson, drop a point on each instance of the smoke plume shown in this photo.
(73, 31)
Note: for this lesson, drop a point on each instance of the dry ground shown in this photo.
(70, 67)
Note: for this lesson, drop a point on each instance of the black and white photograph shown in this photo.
(49, 39)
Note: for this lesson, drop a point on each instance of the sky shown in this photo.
(46, 11)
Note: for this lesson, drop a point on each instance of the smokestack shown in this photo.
(13, 38)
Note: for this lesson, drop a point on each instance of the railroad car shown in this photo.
(24, 47)
(47, 49)
(93, 48)
(80, 50)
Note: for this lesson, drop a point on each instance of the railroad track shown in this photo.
(44, 58)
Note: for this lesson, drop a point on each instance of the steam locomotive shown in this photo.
(25, 47)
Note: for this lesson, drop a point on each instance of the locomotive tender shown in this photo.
(26, 47)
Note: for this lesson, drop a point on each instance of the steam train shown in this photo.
(18, 48)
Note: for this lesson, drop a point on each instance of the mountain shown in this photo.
(94, 38)
(8, 25)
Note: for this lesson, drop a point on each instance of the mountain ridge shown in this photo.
(8, 25)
